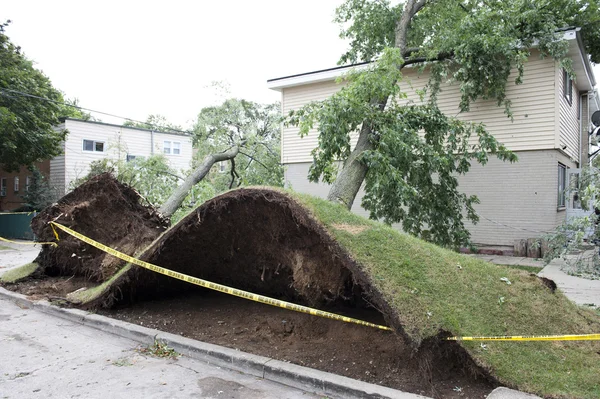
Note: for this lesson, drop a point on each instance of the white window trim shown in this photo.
(93, 145)
(171, 147)
(16, 184)
(27, 183)
(562, 193)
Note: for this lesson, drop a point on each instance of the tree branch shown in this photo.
(255, 160)
(177, 197)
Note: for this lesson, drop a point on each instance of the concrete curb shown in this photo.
(300, 377)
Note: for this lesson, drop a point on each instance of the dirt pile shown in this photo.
(104, 210)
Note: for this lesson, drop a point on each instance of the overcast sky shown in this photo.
(135, 58)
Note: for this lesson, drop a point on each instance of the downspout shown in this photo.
(581, 134)
(151, 142)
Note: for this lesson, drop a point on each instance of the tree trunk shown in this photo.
(348, 182)
(175, 200)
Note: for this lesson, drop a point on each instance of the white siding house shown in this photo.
(91, 141)
(549, 133)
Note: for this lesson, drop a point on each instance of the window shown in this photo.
(130, 158)
(567, 87)
(223, 166)
(93, 146)
(172, 147)
(562, 182)
(16, 184)
(3, 187)
(27, 183)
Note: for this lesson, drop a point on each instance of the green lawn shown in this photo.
(18, 273)
(4, 248)
(432, 289)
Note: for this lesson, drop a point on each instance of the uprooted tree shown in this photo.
(409, 154)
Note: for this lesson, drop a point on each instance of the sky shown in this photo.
(135, 58)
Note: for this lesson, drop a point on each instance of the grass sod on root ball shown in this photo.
(314, 252)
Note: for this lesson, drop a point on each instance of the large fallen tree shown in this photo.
(316, 253)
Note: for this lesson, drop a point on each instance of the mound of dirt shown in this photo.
(104, 210)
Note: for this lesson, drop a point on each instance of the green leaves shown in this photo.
(255, 128)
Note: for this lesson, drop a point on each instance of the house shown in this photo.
(549, 134)
(89, 141)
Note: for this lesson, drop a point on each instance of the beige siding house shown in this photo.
(92, 141)
(549, 134)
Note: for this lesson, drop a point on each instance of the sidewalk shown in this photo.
(47, 357)
(17, 254)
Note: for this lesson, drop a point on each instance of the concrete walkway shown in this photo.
(582, 291)
(13, 255)
(47, 357)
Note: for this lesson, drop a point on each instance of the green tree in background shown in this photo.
(38, 194)
(27, 132)
(155, 122)
(243, 133)
(411, 177)
(257, 126)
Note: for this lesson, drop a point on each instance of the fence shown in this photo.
(16, 225)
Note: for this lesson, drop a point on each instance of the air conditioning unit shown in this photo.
(3, 192)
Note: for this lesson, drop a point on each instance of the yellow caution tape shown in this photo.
(217, 287)
(574, 337)
(28, 243)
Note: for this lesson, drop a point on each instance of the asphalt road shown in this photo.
(42, 356)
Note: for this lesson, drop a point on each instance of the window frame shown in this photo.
(567, 87)
(3, 186)
(16, 184)
(27, 183)
(172, 147)
(94, 145)
(561, 199)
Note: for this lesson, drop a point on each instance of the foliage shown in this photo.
(255, 128)
(414, 152)
(39, 194)
(155, 122)
(27, 124)
(159, 348)
(571, 239)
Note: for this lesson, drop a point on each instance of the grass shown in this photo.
(5, 248)
(432, 289)
(18, 273)
(159, 349)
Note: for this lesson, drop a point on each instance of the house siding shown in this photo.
(533, 107)
(57, 170)
(569, 126)
(518, 200)
(119, 142)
